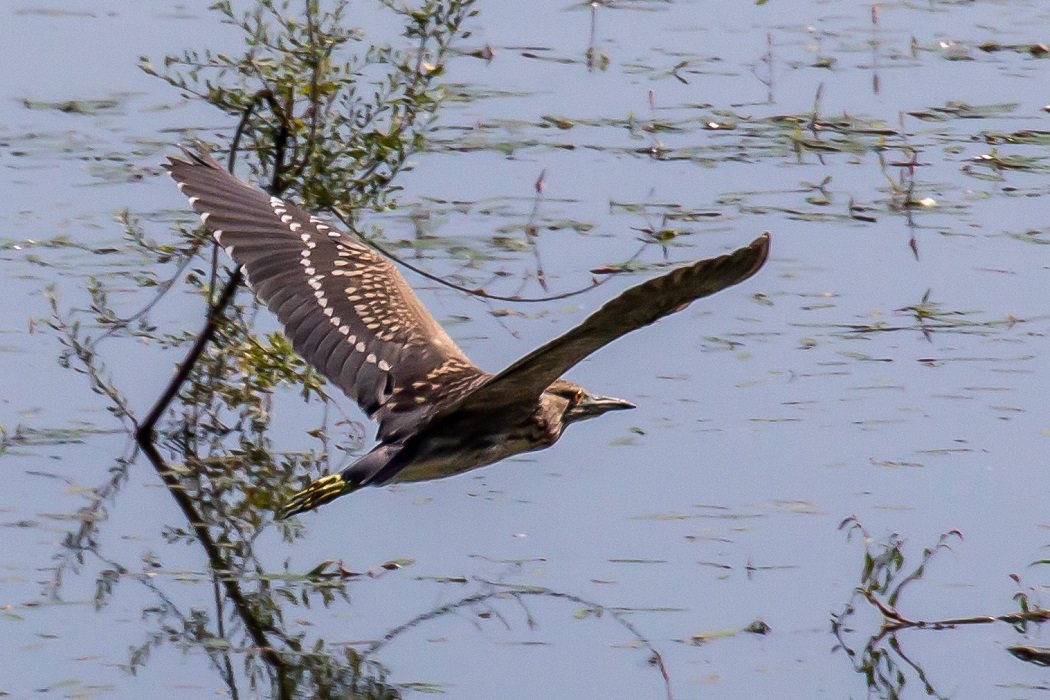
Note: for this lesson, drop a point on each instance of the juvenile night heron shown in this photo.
(350, 314)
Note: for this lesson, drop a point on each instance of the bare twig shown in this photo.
(221, 568)
(480, 292)
(144, 432)
(517, 592)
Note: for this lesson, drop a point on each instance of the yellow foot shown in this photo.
(317, 493)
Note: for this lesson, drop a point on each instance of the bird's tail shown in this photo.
(317, 493)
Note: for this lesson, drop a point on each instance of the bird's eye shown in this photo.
(578, 396)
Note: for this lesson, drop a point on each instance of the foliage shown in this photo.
(328, 132)
(334, 120)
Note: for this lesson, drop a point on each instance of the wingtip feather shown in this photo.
(197, 156)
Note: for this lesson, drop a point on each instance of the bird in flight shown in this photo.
(350, 314)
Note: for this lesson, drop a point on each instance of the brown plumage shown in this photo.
(350, 314)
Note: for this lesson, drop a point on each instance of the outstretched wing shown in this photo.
(635, 308)
(347, 310)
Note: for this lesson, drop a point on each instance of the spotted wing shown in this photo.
(347, 310)
(637, 307)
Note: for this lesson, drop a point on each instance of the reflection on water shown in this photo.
(213, 421)
(886, 574)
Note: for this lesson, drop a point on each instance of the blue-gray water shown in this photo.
(766, 415)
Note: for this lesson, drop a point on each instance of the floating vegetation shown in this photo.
(1035, 50)
(1023, 136)
(962, 110)
(111, 105)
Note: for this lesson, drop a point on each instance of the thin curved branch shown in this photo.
(517, 593)
(144, 431)
(481, 293)
(162, 290)
(221, 568)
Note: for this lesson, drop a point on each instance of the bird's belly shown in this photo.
(439, 457)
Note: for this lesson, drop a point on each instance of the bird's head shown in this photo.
(582, 404)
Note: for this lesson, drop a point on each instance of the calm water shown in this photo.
(887, 362)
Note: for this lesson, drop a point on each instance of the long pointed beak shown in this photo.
(609, 403)
(593, 406)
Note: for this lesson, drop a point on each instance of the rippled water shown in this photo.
(887, 362)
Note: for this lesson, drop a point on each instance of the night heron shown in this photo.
(350, 314)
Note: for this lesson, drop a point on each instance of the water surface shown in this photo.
(887, 362)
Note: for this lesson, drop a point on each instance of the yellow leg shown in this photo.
(318, 493)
